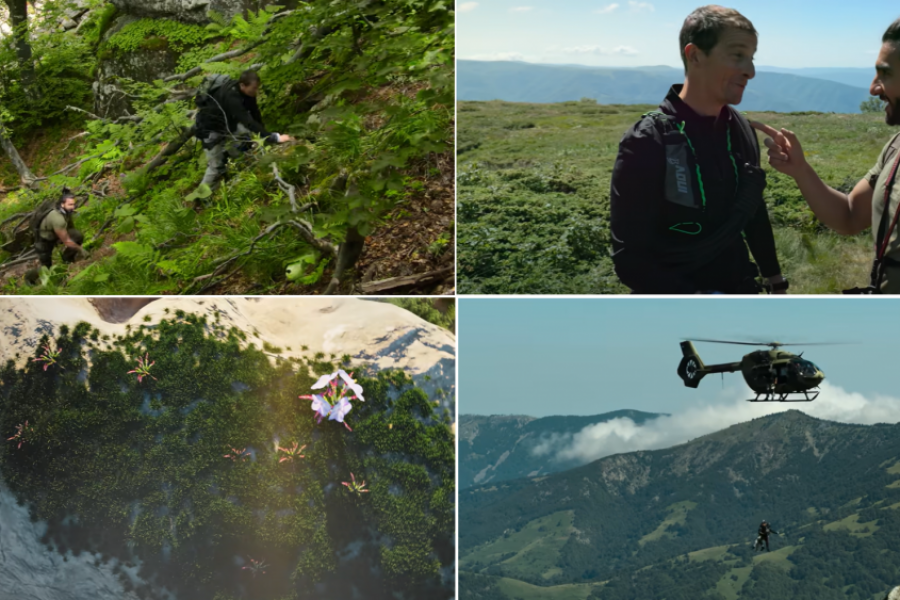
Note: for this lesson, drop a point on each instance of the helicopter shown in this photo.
(775, 375)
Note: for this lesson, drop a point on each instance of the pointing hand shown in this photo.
(785, 152)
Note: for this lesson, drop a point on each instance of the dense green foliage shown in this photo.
(64, 68)
(156, 34)
(680, 523)
(366, 88)
(533, 194)
(141, 465)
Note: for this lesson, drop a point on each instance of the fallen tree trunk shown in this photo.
(376, 287)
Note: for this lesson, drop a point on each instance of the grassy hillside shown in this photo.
(680, 523)
(533, 197)
(525, 82)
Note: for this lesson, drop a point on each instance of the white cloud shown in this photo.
(638, 6)
(515, 56)
(521, 9)
(466, 7)
(600, 51)
(607, 9)
(623, 435)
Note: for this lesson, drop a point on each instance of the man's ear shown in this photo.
(692, 54)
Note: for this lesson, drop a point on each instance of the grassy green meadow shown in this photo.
(533, 197)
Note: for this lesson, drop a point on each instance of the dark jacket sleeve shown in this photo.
(761, 240)
(637, 182)
(255, 114)
(234, 106)
(758, 232)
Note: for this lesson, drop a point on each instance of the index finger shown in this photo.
(764, 128)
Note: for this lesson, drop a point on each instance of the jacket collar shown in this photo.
(678, 108)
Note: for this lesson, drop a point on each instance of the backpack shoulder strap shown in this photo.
(660, 118)
(40, 214)
(893, 147)
(749, 143)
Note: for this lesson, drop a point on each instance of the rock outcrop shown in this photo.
(186, 11)
(29, 571)
(155, 58)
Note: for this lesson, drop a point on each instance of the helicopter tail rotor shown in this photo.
(691, 369)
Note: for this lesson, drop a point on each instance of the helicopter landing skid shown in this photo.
(786, 397)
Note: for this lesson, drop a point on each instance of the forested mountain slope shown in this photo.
(679, 523)
(99, 97)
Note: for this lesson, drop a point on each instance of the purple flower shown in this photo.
(356, 488)
(21, 430)
(143, 368)
(48, 358)
(236, 455)
(348, 383)
(333, 404)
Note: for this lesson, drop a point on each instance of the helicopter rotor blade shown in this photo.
(775, 344)
(817, 343)
(730, 342)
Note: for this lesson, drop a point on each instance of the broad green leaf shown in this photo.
(201, 193)
(125, 211)
(125, 226)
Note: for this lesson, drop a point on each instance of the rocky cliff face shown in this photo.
(29, 571)
(186, 11)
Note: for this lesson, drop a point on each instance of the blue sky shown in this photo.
(588, 356)
(631, 33)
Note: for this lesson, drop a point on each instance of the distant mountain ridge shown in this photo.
(684, 518)
(500, 447)
(768, 91)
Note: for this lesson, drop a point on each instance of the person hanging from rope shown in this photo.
(764, 530)
(875, 200)
(228, 114)
(686, 197)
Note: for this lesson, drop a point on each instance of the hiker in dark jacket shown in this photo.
(228, 115)
(687, 190)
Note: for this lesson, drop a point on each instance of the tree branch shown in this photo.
(28, 256)
(286, 187)
(218, 58)
(26, 177)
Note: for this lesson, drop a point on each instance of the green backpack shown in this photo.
(37, 217)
